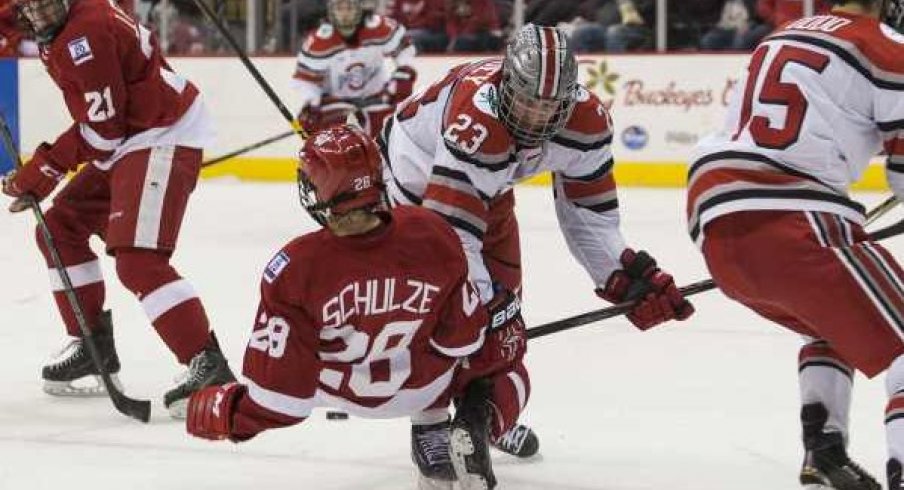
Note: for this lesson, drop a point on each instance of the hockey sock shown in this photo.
(826, 378)
(169, 301)
(894, 411)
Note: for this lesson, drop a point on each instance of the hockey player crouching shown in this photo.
(374, 314)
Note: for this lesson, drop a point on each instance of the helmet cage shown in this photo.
(538, 86)
(346, 27)
(893, 14)
(42, 18)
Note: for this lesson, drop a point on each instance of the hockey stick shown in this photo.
(248, 148)
(697, 287)
(209, 13)
(138, 409)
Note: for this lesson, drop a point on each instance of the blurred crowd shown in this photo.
(461, 26)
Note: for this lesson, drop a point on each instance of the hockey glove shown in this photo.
(400, 84)
(37, 178)
(506, 337)
(658, 300)
(210, 411)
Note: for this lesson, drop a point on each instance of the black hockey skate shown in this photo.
(430, 452)
(66, 375)
(826, 463)
(520, 441)
(893, 469)
(208, 367)
(469, 439)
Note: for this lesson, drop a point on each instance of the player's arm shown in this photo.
(280, 368)
(95, 95)
(402, 52)
(311, 70)
(889, 107)
(453, 191)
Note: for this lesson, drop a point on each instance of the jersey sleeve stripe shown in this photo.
(890, 126)
(279, 402)
(595, 175)
(500, 165)
(461, 351)
(579, 190)
(581, 141)
(97, 141)
(453, 197)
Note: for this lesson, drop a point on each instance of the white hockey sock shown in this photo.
(894, 411)
(826, 378)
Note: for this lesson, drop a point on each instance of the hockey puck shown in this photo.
(336, 415)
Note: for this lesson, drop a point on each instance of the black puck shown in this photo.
(336, 415)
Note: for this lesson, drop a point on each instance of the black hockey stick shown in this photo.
(697, 287)
(296, 126)
(139, 409)
(233, 154)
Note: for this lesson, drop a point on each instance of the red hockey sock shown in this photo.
(169, 301)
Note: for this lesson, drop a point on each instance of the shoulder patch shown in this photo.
(325, 31)
(277, 264)
(484, 100)
(373, 21)
(80, 51)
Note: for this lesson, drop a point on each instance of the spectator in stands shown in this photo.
(594, 17)
(12, 41)
(473, 26)
(633, 31)
(550, 12)
(738, 28)
(689, 20)
(425, 21)
(776, 13)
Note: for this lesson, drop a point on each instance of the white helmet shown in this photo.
(43, 18)
(539, 81)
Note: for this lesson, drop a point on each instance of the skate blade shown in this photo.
(460, 448)
(80, 388)
(817, 486)
(424, 483)
(179, 409)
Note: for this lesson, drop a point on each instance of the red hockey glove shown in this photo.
(210, 411)
(506, 336)
(37, 178)
(400, 84)
(658, 300)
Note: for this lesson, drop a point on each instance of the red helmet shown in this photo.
(340, 171)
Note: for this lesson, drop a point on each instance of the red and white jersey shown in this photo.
(374, 325)
(448, 151)
(821, 97)
(330, 65)
(120, 92)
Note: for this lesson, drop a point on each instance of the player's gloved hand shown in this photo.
(37, 178)
(658, 300)
(506, 336)
(210, 410)
(311, 119)
(400, 84)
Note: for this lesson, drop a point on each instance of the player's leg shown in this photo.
(487, 412)
(502, 255)
(784, 256)
(79, 211)
(150, 192)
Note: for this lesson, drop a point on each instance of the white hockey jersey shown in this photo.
(447, 150)
(821, 97)
(329, 65)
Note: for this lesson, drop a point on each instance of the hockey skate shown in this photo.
(826, 463)
(893, 469)
(73, 373)
(469, 439)
(519, 441)
(208, 367)
(430, 452)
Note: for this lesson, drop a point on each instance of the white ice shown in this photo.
(708, 404)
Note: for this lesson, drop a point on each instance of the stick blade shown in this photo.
(137, 409)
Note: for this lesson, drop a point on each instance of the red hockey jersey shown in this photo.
(371, 324)
(120, 92)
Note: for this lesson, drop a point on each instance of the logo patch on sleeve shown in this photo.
(275, 267)
(80, 50)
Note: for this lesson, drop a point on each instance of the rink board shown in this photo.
(661, 106)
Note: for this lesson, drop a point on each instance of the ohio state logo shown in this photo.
(356, 76)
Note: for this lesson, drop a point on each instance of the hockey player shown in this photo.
(141, 126)
(341, 68)
(459, 146)
(768, 204)
(353, 316)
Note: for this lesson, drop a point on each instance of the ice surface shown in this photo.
(709, 404)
